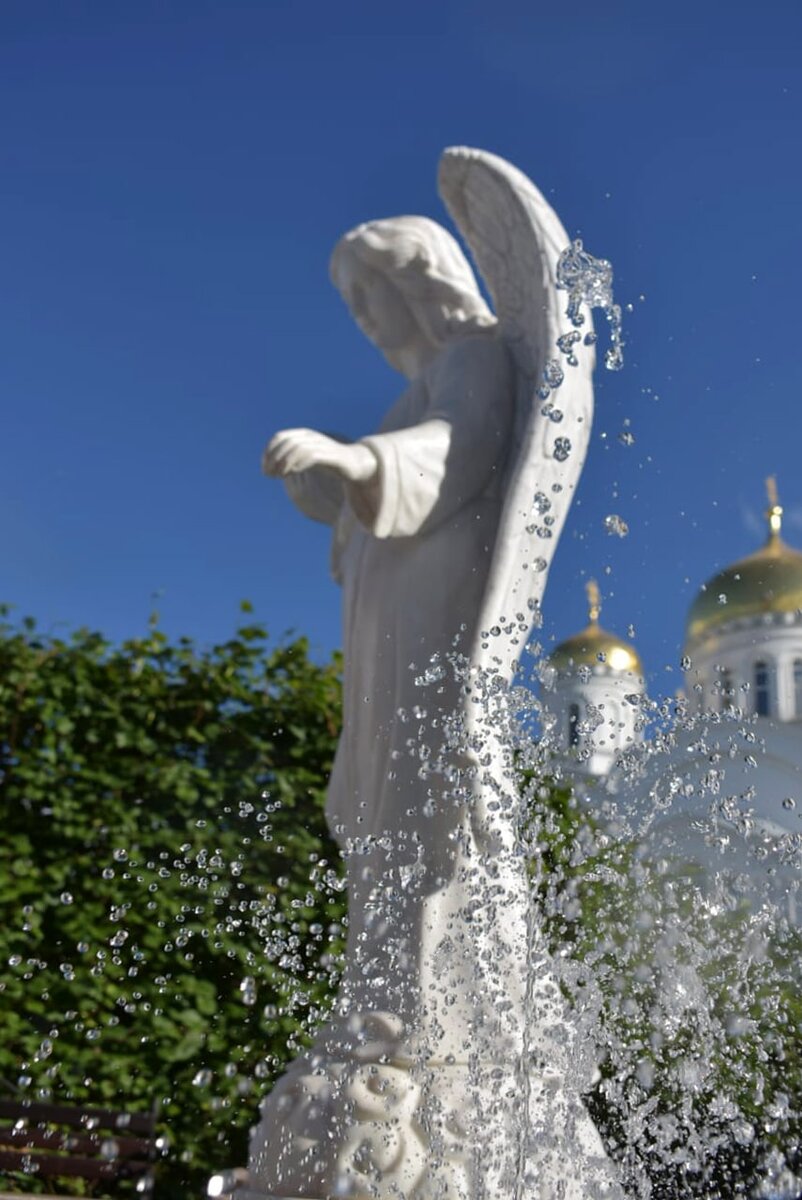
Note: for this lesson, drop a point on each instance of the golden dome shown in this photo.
(768, 581)
(594, 646)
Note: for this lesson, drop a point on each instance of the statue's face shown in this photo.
(377, 306)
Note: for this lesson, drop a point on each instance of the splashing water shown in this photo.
(669, 910)
(589, 280)
(616, 526)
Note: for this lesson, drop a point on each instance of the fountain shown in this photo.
(543, 995)
(449, 1067)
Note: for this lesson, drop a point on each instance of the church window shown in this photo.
(798, 687)
(726, 699)
(762, 705)
(573, 725)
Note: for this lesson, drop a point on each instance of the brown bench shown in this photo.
(62, 1141)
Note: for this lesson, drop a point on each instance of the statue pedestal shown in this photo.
(450, 1069)
(362, 1130)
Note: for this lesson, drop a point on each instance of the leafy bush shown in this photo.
(170, 900)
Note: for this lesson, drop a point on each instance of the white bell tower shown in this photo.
(592, 693)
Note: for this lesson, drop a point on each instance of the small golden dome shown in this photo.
(768, 581)
(594, 646)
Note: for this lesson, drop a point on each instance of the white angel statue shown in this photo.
(416, 1087)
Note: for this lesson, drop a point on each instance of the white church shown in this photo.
(734, 753)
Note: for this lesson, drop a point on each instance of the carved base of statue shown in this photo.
(445, 1104)
(370, 1129)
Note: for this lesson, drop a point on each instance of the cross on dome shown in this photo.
(594, 600)
(774, 512)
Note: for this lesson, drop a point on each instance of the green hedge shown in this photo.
(167, 883)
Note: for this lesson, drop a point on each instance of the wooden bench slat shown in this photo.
(76, 1117)
(69, 1141)
(48, 1166)
(51, 1141)
(39, 1196)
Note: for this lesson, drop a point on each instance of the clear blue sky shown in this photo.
(172, 179)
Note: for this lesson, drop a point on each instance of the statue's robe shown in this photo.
(412, 549)
(414, 1086)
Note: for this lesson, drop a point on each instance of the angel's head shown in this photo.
(409, 287)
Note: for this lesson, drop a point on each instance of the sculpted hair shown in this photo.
(426, 264)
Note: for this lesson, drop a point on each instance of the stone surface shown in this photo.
(439, 1052)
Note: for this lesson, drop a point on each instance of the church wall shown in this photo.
(730, 657)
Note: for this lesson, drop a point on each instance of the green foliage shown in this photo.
(699, 1002)
(170, 901)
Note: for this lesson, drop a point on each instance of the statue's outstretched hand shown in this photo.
(294, 450)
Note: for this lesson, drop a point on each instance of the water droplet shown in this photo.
(562, 448)
(247, 991)
(616, 526)
(553, 374)
(66, 898)
(566, 343)
(202, 1078)
(433, 674)
(589, 280)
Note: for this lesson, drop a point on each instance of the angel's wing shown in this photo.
(516, 239)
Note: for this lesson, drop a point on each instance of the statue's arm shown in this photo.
(426, 472)
(317, 492)
(315, 468)
(405, 481)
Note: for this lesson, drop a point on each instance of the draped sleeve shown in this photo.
(317, 492)
(427, 471)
